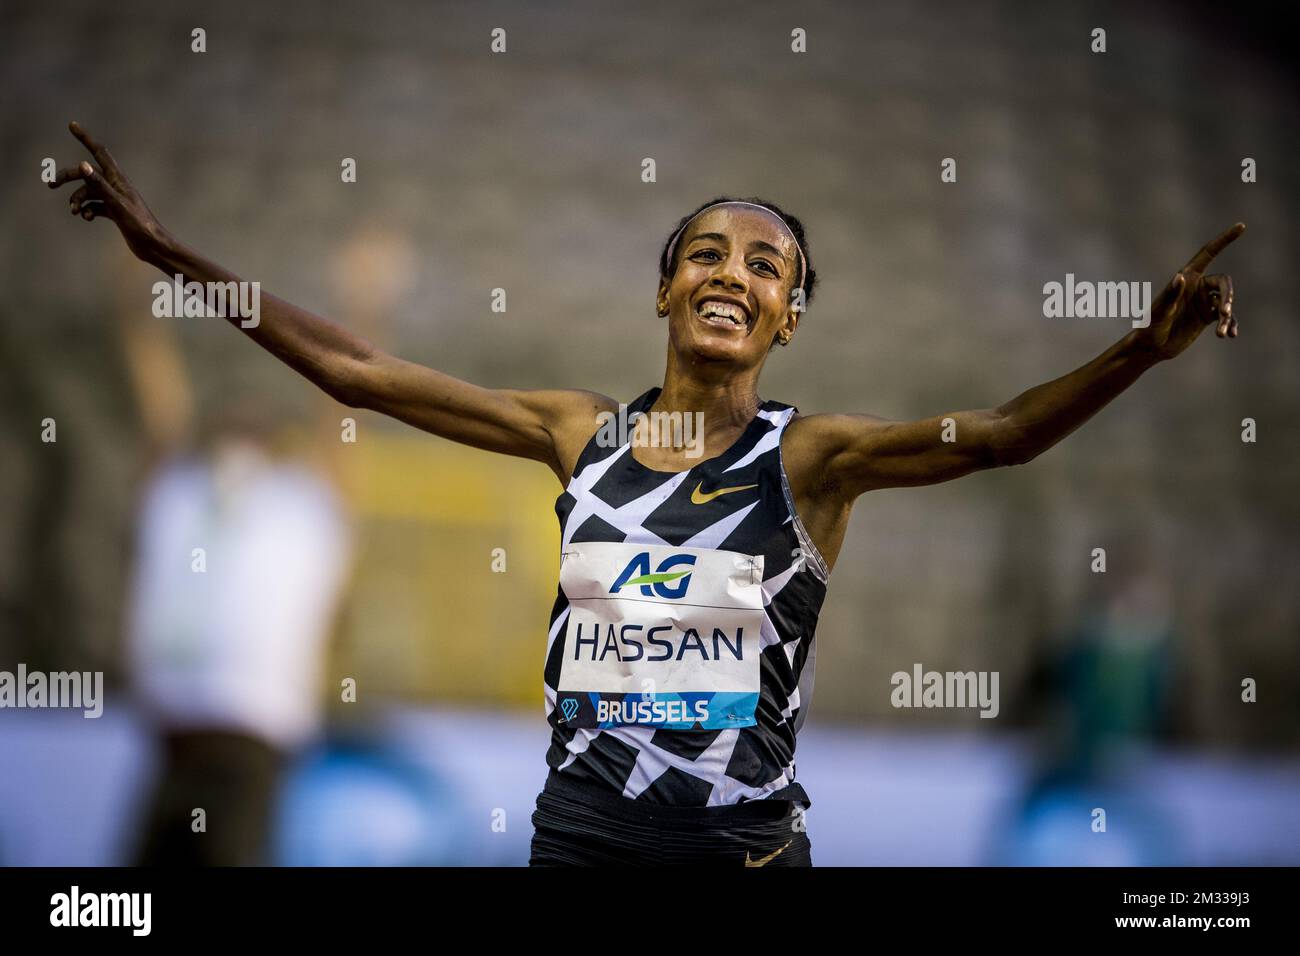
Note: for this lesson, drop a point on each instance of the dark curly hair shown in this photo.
(668, 269)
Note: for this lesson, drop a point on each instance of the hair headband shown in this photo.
(803, 263)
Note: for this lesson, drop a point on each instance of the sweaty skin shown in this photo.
(741, 255)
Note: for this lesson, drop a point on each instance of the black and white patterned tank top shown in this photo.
(679, 659)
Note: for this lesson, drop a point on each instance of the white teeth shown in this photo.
(723, 310)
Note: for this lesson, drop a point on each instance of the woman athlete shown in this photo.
(680, 650)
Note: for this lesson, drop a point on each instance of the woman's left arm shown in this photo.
(859, 453)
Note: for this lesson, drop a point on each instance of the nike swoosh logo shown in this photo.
(699, 498)
(765, 860)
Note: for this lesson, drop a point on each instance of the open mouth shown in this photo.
(722, 314)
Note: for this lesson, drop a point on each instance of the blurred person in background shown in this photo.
(1107, 692)
(241, 558)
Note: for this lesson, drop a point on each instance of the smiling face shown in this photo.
(730, 295)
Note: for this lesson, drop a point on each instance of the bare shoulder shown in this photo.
(811, 443)
(571, 417)
(825, 429)
(810, 447)
(817, 437)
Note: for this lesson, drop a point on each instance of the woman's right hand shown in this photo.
(106, 192)
(546, 425)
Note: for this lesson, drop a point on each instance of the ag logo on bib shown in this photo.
(569, 706)
(652, 584)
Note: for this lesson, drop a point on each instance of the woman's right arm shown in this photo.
(546, 425)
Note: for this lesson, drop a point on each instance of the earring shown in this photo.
(784, 337)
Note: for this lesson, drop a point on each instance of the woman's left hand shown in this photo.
(1190, 302)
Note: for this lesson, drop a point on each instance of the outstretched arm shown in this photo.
(547, 425)
(544, 424)
(860, 453)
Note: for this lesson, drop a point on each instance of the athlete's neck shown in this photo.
(725, 405)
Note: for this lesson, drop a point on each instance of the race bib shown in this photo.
(660, 636)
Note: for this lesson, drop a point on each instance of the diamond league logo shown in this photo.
(569, 706)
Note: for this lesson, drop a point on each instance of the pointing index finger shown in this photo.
(1212, 248)
(102, 155)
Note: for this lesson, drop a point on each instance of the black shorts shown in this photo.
(578, 825)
